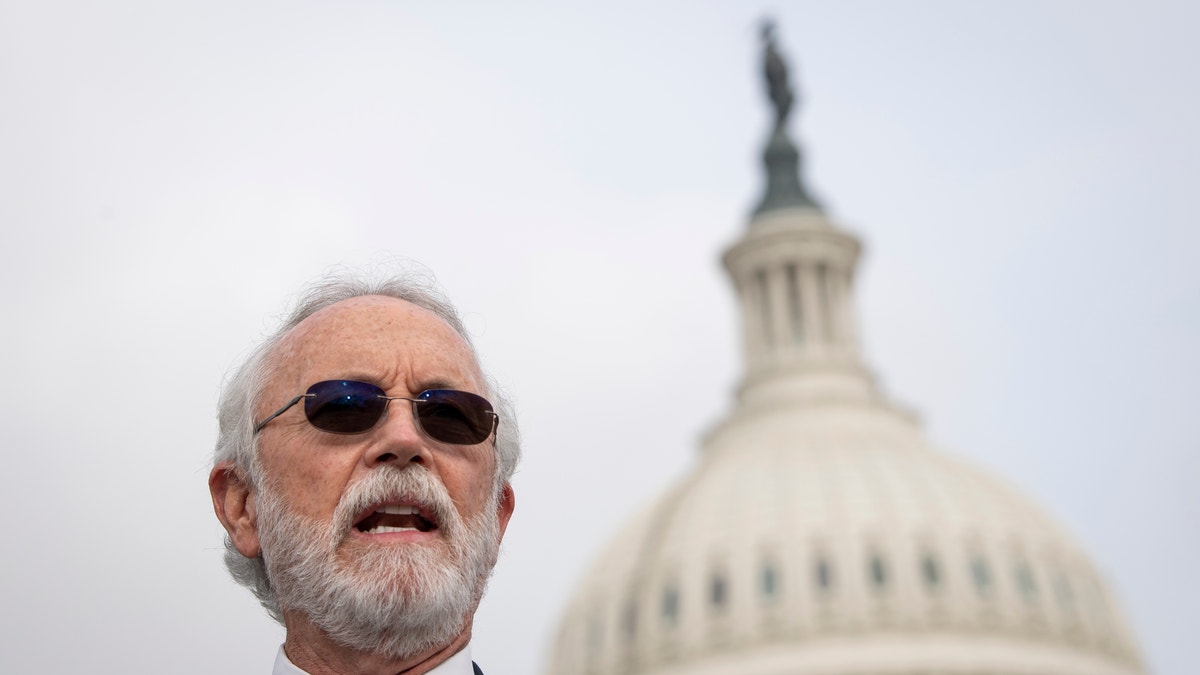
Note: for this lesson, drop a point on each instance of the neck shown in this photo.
(314, 652)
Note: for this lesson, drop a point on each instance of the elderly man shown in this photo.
(362, 476)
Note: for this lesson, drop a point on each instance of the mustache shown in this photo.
(411, 485)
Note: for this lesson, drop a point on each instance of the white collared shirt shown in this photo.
(459, 664)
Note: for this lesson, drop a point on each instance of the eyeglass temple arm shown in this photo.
(258, 427)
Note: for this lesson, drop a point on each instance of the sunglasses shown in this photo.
(349, 407)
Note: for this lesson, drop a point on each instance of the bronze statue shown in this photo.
(781, 157)
(777, 75)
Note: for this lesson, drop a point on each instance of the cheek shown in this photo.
(472, 484)
(312, 485)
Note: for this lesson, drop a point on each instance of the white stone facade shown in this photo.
(819, 534)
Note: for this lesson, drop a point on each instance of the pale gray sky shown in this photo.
(1023, 174)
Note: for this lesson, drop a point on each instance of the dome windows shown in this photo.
(887, 581)
(769, 581)
(931, 572)
(823, 573)
(877, 572)
(718, 591)
(981, 575)
(1026, 582)
(670, 605)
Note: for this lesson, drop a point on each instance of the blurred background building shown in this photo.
(819, 532)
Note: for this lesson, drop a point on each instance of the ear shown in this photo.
(233, 500)
(504, 511)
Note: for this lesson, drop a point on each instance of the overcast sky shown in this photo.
(1023, 175)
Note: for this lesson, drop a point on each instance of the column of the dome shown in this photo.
(814, 328)
(761, 294)
(793, 328)
(842, 312)
(781, 323)
(751, 322)
(795, 311)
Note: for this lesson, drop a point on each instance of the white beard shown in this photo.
(390, 600)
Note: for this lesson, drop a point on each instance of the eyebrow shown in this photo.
(425, 385)
(421, 385)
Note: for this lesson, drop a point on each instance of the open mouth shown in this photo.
(394, 518)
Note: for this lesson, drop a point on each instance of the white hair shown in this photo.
(237, 443)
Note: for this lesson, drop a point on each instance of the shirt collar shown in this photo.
(459, 664)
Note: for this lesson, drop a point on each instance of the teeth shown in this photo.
(397, 510)
(384, 529)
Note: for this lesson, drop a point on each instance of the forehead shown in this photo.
(390, 342)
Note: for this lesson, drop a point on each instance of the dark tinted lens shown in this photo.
(344, 406)
(457, 417)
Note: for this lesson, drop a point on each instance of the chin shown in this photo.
(394, 598)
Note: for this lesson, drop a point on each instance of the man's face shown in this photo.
(401, 348)
(343, 502)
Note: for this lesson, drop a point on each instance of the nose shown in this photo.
(397, 440)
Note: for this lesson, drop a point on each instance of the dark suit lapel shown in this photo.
(476, 667)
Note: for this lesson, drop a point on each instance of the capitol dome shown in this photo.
(819, 532)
